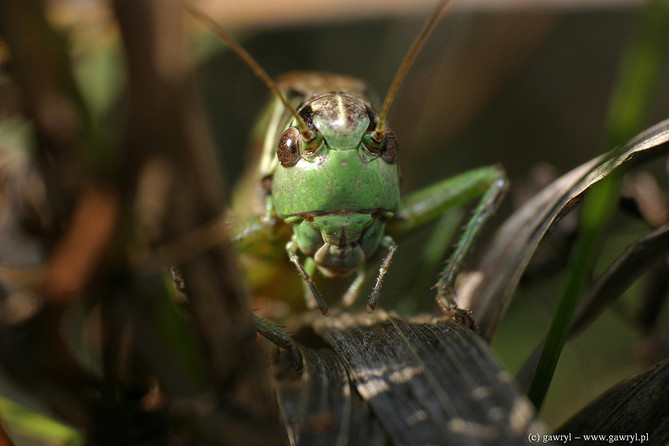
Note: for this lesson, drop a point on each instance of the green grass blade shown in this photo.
(38, 426)
(596, 212)
(640, 69)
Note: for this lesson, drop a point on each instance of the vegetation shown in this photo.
(109, 177)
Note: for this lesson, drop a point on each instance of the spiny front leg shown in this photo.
(292, 249)
(388, 243)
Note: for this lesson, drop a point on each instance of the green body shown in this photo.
(339, 196)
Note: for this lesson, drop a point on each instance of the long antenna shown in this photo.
(307, 134)
(406, 64)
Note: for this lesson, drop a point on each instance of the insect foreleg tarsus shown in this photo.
(388, 243)
(292, 249)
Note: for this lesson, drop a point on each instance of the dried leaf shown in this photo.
(322, 407)
(427, 381)
(619, 276)
(512, 247)
(636, 406)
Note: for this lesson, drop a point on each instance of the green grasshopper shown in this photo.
(329, 171)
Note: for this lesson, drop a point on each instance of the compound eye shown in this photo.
(390, 146)
(288, 150)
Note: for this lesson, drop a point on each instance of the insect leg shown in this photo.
(291, 249)
(309, 298)
(267, 330)
(426, 205)
(354, 289)
(391, 246)
(281, 339)
(484, 210)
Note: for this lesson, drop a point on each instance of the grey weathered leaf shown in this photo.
(638, 405)
(426, 381)
(608, 287)
(496, 277)
(619, 276)
(321, 407)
